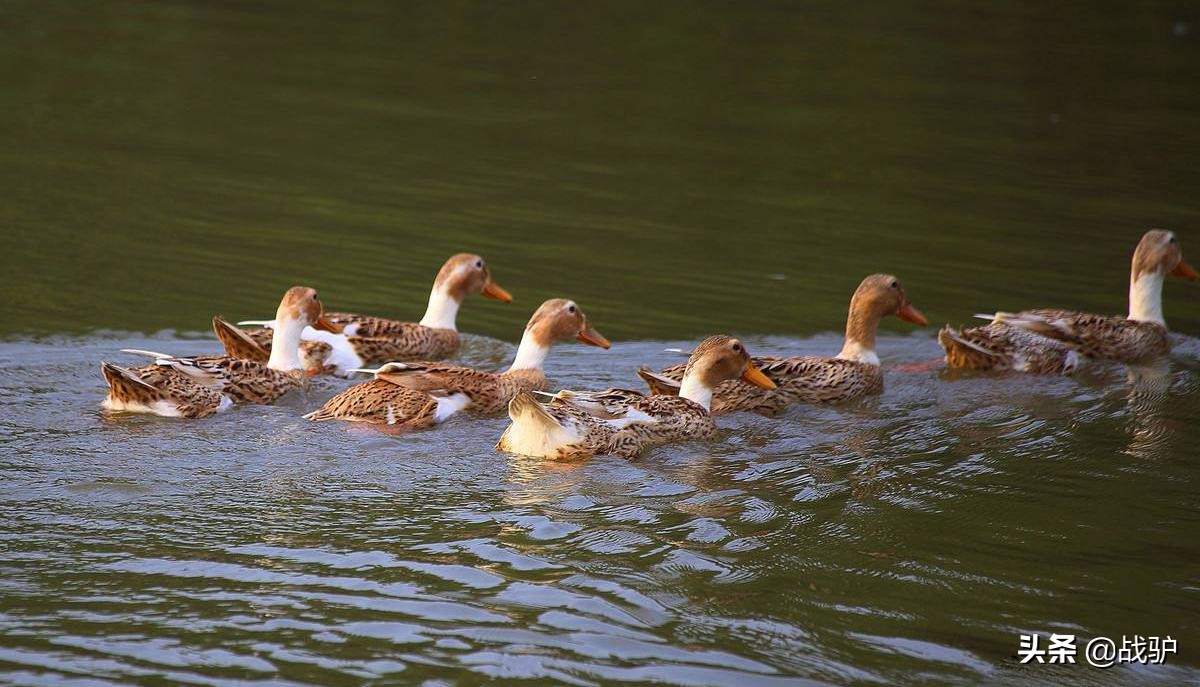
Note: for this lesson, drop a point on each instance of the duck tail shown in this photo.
(962, 352)
(524, 408)
(320, 415)
(660, 385)
(125, 383)
(237, 343)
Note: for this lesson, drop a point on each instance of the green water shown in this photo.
(679, 169)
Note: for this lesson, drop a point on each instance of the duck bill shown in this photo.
(911, 314)
(1186, 271)
(326, 325)
(492, 290)
(591, 337)
(755, 376)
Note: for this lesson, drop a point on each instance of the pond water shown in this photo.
(680, 170)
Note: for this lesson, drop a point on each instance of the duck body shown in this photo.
(418, 403)
(799, 379)
(191, 383)
(853, 373)
(1053, 341)
(1098, 337)
(615, 422)
(625, 423)
(159, 390)
(418, 395)
(368, 340)
(200, 386)
(999, 347)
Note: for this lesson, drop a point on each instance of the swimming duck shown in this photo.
(238, 343)
(422, 394)
(624, 423)
(1048, 341)
(854, 372)
(367, 340)
(200, 386)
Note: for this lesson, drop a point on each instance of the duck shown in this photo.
(852, 373)
(418, 395)
(238, 343)
(201, 386)
(1051, 341)
(626, 423)
(368, 340)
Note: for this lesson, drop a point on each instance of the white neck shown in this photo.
(1145, 298)
(855, 351)
(285, 345)
(694, 390)
(530, 354)
(442, 310)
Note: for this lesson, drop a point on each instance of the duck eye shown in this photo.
(895, 284)
(314, 295)
(479, 264)
(737, 346)
(571, 308)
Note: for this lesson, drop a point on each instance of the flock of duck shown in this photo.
(410, 391)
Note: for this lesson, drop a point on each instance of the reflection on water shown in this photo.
(914, 533)
(1149, 391)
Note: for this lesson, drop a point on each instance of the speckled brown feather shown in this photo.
(670, 419)
(156, 383)
(243, 381)
(238, 343)
(997, 347)
(800, 379)
(403, 397)
(314, 355)
(376, 341)
(1101, 337)
(380, 402)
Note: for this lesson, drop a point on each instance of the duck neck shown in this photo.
(861, 327)
(285, 344)
(442, 310)
(1145, 297)
(694, 389)
(531, 354)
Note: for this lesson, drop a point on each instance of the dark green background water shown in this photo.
(656, 161)
(679, 169)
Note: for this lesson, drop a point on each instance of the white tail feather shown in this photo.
(152, 354)
(449, 405)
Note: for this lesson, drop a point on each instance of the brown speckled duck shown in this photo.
(854, 372)
(367, 340)
(625, 423)
(419, 395)
(200, 386)
(1048, 341)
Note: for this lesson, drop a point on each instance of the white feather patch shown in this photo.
(449, 405)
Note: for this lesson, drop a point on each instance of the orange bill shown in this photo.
(911, 314)
(591, 337)
(492, 290)
(1186, 271)
(327, 325)
(755, 376)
